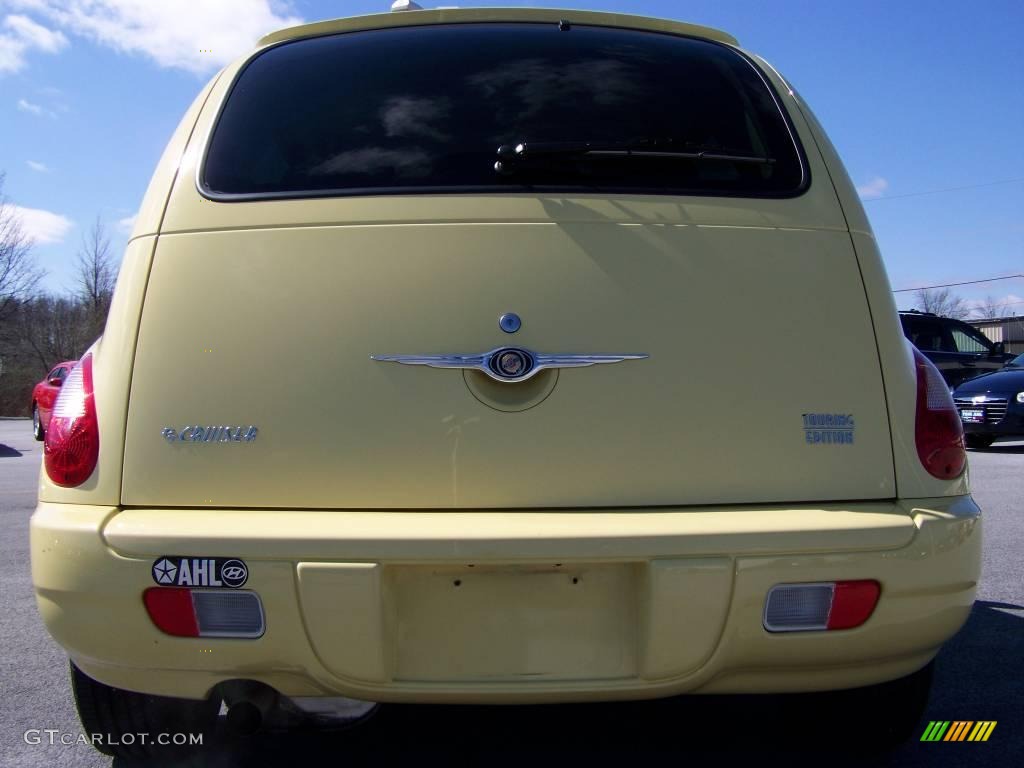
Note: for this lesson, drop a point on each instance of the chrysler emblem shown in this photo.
(511, 363)
(507, 364)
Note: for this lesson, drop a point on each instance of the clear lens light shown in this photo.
(1020, 397)
(71, 400)
(795, 607)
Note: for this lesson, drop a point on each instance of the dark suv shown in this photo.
(959, 350)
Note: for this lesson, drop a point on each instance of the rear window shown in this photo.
(425, 109)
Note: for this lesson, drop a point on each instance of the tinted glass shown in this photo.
(425, 108)
(927, 335)
(969, 340)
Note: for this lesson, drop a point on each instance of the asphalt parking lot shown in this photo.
(978, 678)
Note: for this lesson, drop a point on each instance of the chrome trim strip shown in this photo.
(484, 361)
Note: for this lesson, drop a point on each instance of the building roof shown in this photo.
(997, 320)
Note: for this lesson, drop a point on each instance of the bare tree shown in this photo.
(96, 277)
(95, 269)
(942, 302)
(19, 274)
(988, 309)
(54, 329)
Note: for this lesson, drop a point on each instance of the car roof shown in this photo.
(929, 315)
(465, 15)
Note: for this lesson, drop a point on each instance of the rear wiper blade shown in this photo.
(511, 155)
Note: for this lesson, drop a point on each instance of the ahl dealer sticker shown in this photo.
(175, 571)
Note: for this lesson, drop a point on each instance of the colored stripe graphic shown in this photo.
(958, 730)
(982, 730)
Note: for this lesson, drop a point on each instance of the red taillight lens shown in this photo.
(852, 603)
(171, 610)
(73, 437)
(938, 432)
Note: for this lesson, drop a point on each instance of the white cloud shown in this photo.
(28, 106)
(127, 224)
(198, 37)
(44, 227)
(19, 35)
(24, 105)
(874, 188)
(35, 35)
(37, 167)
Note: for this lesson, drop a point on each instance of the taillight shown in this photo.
(73, 437)
(853, 602)
(938, 432)
(820, 606)
(184, 612)
(171, 610)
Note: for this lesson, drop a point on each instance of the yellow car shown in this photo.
(499, 356)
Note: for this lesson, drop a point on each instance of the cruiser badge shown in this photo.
(202, 434)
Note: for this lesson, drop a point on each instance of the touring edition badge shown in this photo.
(174, 571)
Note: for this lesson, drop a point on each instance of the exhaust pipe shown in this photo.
(251, 706)
(244, 718)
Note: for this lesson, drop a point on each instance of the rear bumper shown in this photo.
(512, 606)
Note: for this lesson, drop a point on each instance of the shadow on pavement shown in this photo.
(978, 678)
(6, 452)
(1001, 448)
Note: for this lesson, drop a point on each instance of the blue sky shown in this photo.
(917, 96)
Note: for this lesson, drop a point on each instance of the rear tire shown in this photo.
(895, 708)
(979, 441)
(37, 426)
(111, 716)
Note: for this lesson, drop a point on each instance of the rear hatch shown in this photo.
(761, 385)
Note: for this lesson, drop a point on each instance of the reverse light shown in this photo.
(72, 443)
(184, 612)
(938, 433)
(820, 606)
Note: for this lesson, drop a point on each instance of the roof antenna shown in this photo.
(405, 5)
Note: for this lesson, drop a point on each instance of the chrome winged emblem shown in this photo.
(507, 364)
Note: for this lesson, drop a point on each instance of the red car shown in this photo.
(44, 395)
